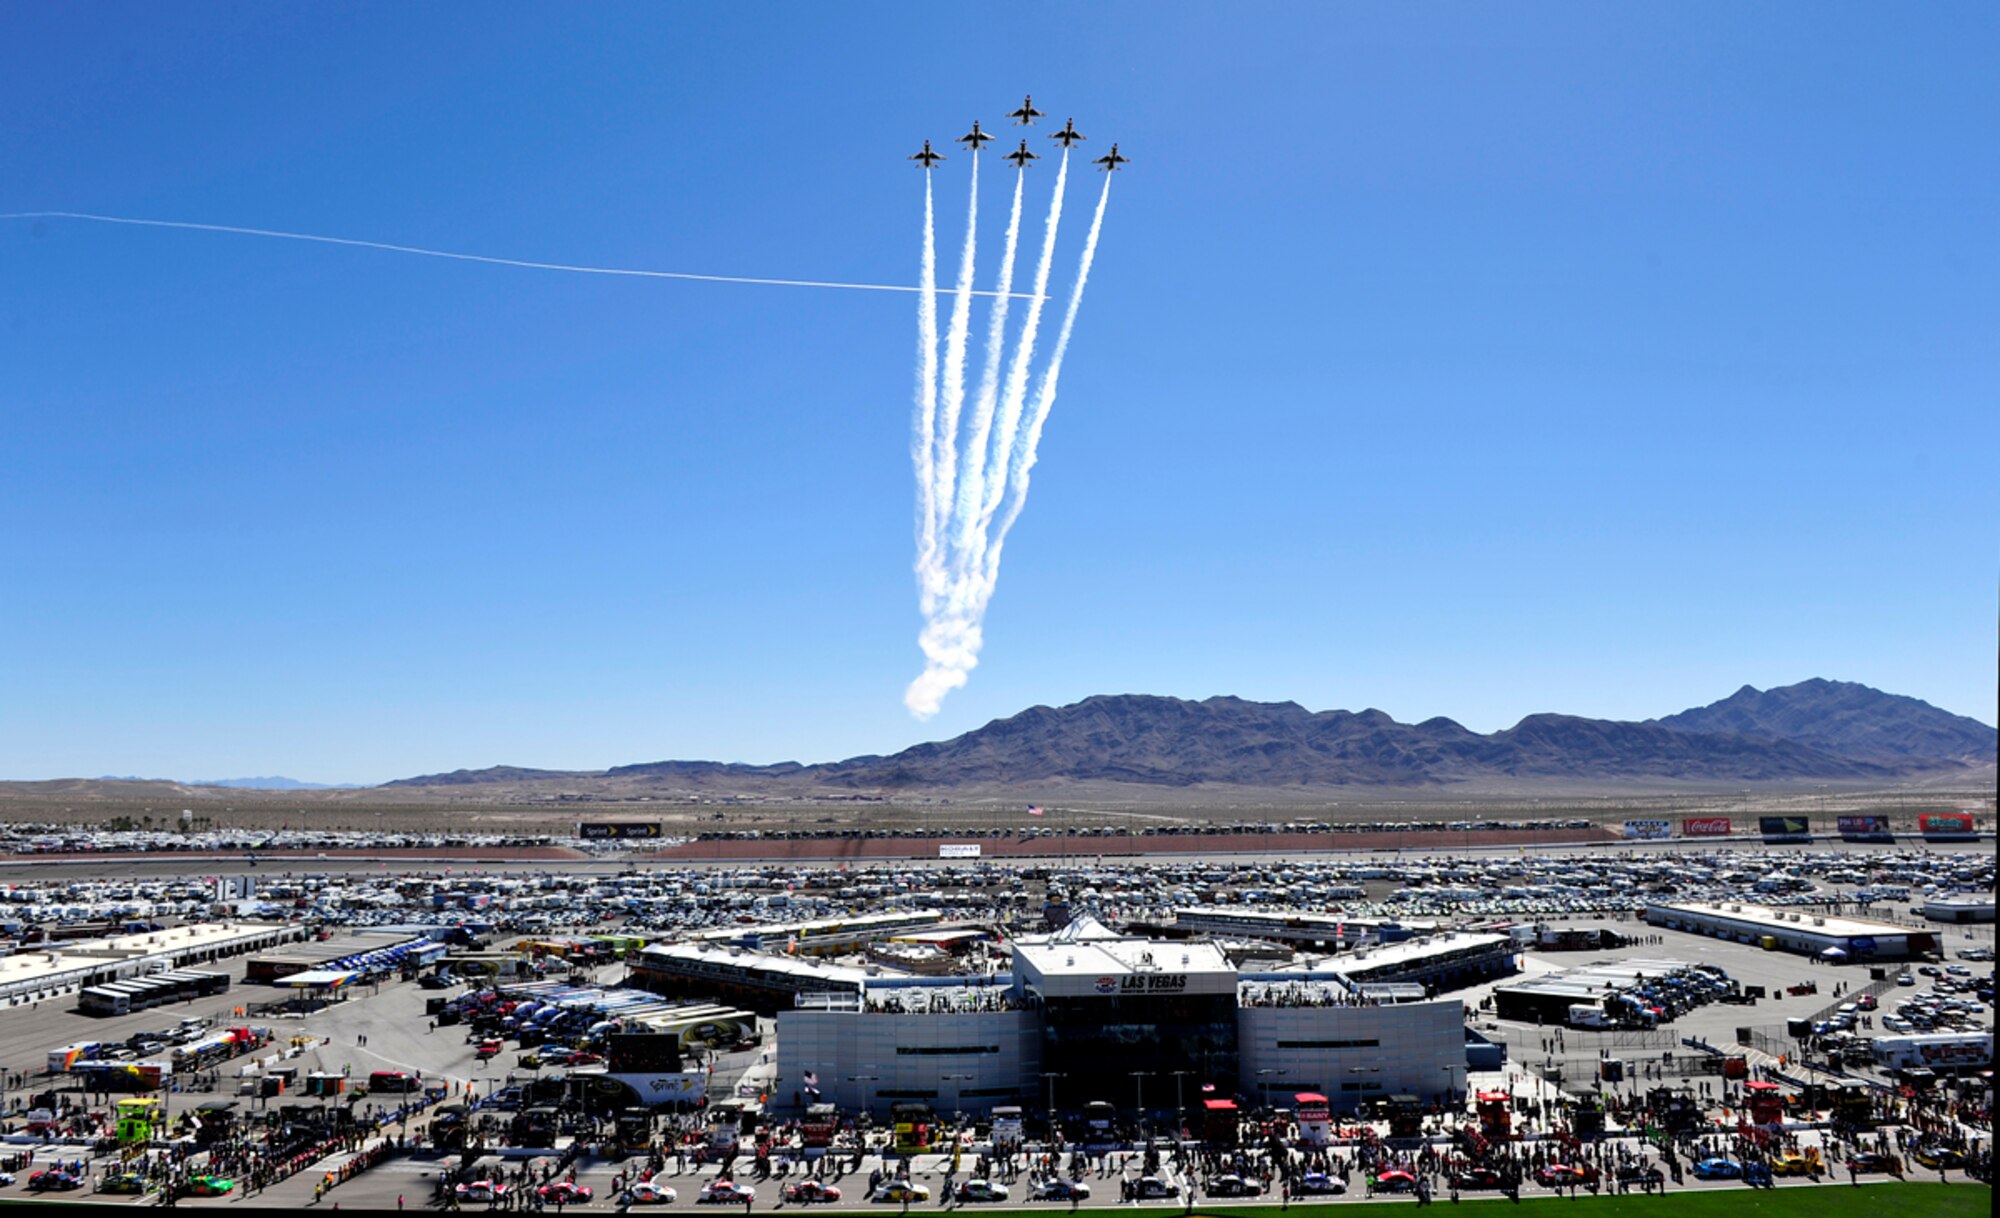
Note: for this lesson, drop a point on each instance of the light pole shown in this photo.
(1052, 1076)
(1264, 1086)
(1180, 1111)
(864, 1078)
(1139, 1081)
(955, 1080)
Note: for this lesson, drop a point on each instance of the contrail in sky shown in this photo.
(526, 264)
(1045, 397)
(972, 490)
(995, 464)
(1015, 395)
(946, 494)
(930, 577)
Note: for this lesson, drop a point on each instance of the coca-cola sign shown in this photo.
(1705, 826)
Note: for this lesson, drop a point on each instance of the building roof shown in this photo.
(1089, 956)
(1767, 917)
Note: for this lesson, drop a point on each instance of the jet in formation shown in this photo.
(1021, 156)
(1068, 135)
(1027, 114)
(976, 138)
(1112, 161)
(927, 158)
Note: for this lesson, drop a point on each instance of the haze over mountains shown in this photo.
(1816, 730)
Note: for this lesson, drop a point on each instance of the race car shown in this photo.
(1718, 1169)
(1868, 1161)
(1395, 1182)
(211, 1186)
(725, 1192)
(645, 1192)
(481, 1190)
(53, 1181)
(1152, 1188)
(1940, 1157)
(1234, 1186)
(1794, 1164)
(897, 1191)
(1478, 1178)
(124, 1182)
(1060, 1190)
(981, 1190)
(1562, 1175)
(805, 1192)
(1318, 1183)
(566, 1192)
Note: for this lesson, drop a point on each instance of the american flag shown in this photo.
(812, 1078)
(1208, 1086)
(1034, 809)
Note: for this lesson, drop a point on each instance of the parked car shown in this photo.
(481, 1190)
(981, 1190)
(1718, 1169)
(645, 1192)
(566, 1192)
(805, 1192)
(1318, 1183)
(725, 1192)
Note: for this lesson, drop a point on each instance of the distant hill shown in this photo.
(1846, 720)
(273, 783)
(1817, 730)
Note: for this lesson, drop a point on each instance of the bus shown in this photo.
(915, 1126)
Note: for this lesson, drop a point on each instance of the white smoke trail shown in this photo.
(972, 490)
(521, 263)
(1045, 399)
(930, 574)
(946, 494)
(953, 631)
(1015, 395)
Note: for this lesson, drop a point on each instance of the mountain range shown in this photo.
(1816, 730)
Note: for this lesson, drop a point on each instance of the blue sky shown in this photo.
(1472, 360)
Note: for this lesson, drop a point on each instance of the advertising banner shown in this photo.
(1864, 828)
(953, 850)
(1785, 828)
(607, 830)
(1705, 826)
(1648, 830)
(1946, 824)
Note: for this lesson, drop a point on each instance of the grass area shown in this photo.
(1884, 1200)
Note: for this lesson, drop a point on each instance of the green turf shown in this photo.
(1886, 1200)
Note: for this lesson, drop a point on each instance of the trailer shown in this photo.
(1941, 1051)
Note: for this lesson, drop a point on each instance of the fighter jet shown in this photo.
(927, 158)
(1068, 135)
(1112, 161)
(975, 137)
(1021, 156)
(1027, 114)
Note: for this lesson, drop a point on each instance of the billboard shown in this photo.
(604, 830)
(1946, 824)
(957, 851)
(1864, 828)
(1705, 826)
(1648, 830)
(1785, 828)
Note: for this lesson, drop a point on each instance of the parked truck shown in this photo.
(1582, 1015)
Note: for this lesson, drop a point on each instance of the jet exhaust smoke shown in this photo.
(946, 493)
(996, 460)
(930, 575)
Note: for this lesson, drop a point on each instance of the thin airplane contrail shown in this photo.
(972, 489)
(521, 263)
(930, 581)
